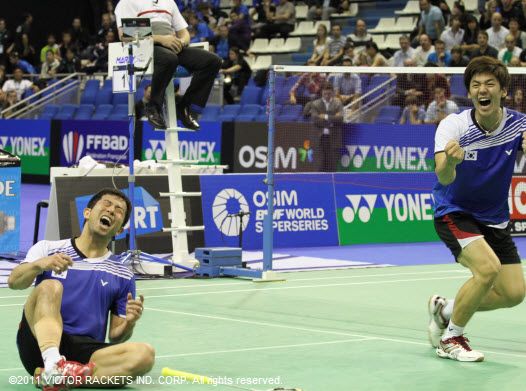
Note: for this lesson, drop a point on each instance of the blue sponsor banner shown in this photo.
(203, 145)
(387, 148)
(29, 140)
(304, 210)
(102, 140)
(147, 212)
(9, 209)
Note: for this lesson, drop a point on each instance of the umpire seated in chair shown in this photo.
(171, 40)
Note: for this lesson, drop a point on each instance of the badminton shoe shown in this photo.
(66, 375)
(437, 322)
(457, 348)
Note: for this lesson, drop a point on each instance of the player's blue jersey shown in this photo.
(92, 287)
(483, 178)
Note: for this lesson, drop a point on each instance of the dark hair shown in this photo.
(486, 64)
(456, 49)
(97, 196)
(440, 42)
(485, 33)
(373, 45)
(455, 17)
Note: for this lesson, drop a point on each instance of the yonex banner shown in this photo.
(102, 140)
(385, 207)
(304, 212)
(204, 145)
(147, 212)
(395, 148)
(10, 178)
(29, 140)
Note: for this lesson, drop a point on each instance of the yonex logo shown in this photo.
(3, 142)
(156, 150)
(73, 146)
(227, 203)
(362, 209)
(356, 155)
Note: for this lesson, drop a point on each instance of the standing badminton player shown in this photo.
(475, 153)
(78, 283)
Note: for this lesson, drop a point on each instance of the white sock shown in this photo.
(50, 356)
(452, 330)
(447, 310)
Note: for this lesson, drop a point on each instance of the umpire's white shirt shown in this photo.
(164, 11)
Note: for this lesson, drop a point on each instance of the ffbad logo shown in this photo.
(227, 203)
(73, 146)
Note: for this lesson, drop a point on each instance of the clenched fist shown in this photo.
(454, 152)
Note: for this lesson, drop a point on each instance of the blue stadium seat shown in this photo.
(66, 111)
(49, 112)
(229, 112)
(103, 97)
(119, 99)
(248, 112)
(210, 113)
(300, 58)
(85, 111)
(456, 85)
(388, 115)
(375, 81)
(262, 116)
(289, 113)
(119, 113)
(102, 111)
(251, 95)
(89, 96)
(92, 84)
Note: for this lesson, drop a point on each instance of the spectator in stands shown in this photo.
(360, 37)
(264, 10)
(319, 45)
(347, 86)
(511, 9)
(11, 100)
(239, 31)
(17, 83)
(471, 33)
(237, 73)
(409, 84)
(434, 80)
(423, 51)
(307, 88)
(15, 61)
(70, 63)
(327, 115)
(79, 35)
(440, 107)
(67, 43)
(282, 22)
(145, 100)
(506, 54)
(497, 32)
(3, 77)
(457, 57)
(440, 56)
(3, 100)
(431, 20)
(220, 42)
(459, 10)
(334, 51)
(49, 66)
(202, 31)
(520, 36)
(453, 35)
(50, 45)
(517, 102)
(372, 56)
(25, 50)
(25, 27)
(99, 57)
(405, 52)
(413, 113)
(242, 9)
(485, 18)
(6, 40)
(322, 9)
(106, 26)
(484, 48)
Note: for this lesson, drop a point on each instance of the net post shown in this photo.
(268, 235)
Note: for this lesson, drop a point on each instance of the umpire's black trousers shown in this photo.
(201, 64)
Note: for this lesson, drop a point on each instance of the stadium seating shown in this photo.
(102, 111)
(388, 115)
(248, 112)
(210, 113)
(49, 112)
(85, 111)
(66, 111)
(229, 112)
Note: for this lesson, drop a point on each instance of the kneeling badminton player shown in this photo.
(79, 286)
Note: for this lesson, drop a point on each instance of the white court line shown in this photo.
(299, 345)
(12, 305)
(320, 331)
(264, 289)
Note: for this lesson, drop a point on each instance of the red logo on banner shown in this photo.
(517, 198)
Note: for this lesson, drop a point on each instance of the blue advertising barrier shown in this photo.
(102, 140)
(304, 213)
(387, 148)
(148, 217)
(10, 177)
(204, 145)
